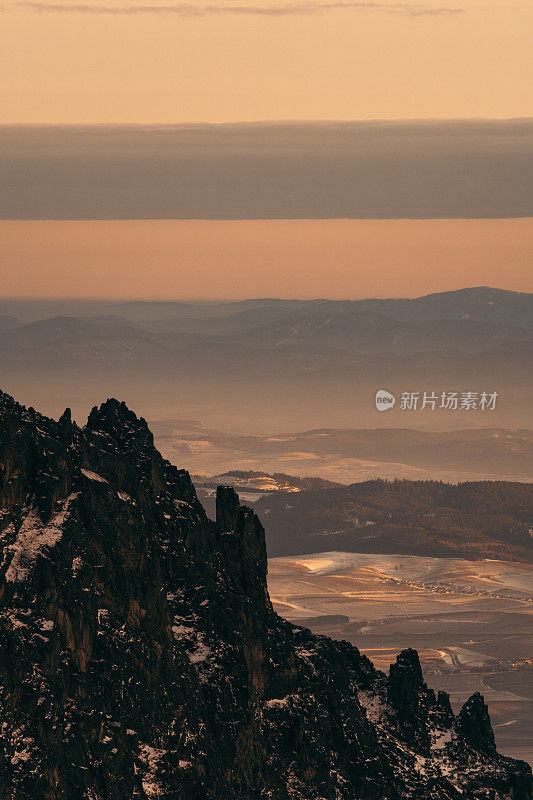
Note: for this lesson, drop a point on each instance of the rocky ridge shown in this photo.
(140, 656)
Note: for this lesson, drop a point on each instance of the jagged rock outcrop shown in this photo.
(140, 656)
(473, 725)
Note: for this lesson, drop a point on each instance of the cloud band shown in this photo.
(478, 169)
(282, 10)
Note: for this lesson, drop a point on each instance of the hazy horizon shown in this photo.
(208, 301)
(265, 258)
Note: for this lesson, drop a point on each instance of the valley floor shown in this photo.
(351, 455)
(472, 622)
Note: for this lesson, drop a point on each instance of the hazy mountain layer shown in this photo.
(292, 363)
(352, 455)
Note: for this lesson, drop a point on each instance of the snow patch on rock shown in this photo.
(150, 758)
(93, 476)
(34, 538)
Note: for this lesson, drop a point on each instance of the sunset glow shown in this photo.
(235, 259)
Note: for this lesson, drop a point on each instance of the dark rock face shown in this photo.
(140, 656)
(405, 683)
(473, 725)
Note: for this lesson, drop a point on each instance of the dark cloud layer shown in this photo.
(271, 10)
(477, 169)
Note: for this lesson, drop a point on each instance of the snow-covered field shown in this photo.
(472, 622)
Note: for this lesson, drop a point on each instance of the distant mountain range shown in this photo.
(483, 304)
(277, 357)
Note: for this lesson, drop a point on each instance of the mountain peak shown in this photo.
(115, 414)
(115, 420)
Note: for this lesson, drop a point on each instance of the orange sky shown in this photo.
(467, 58)
(241, 259)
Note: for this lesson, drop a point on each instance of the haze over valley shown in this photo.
(274, 363)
